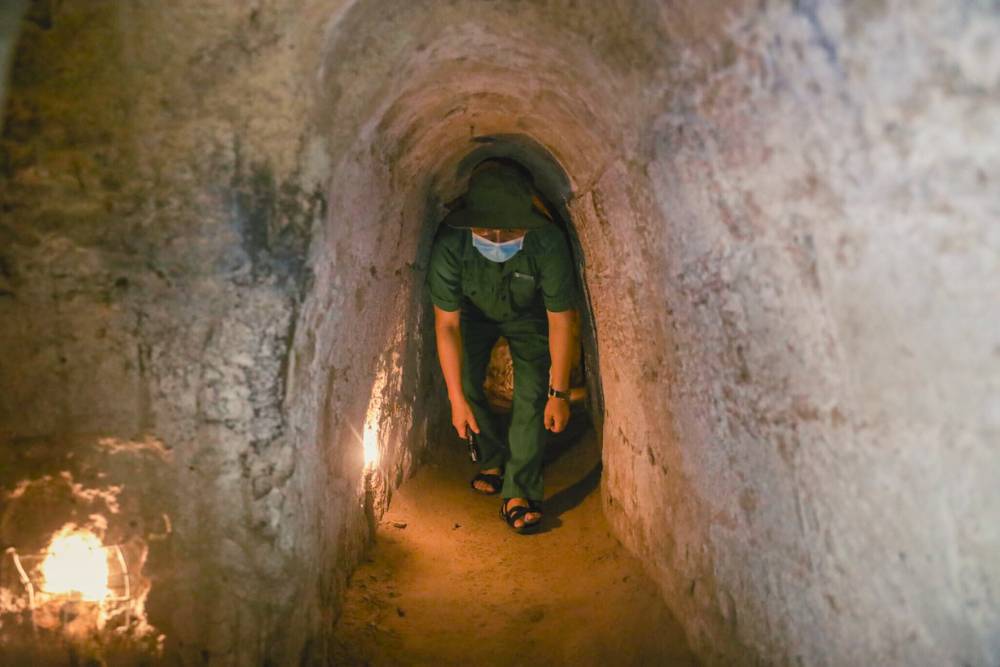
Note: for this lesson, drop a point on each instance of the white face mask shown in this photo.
(497, 252)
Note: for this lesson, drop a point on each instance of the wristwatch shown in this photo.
(564, 395)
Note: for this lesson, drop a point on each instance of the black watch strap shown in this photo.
(559, 394)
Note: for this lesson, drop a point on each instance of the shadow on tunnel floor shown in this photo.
(572, 463)
(449, 583)
(573, 495)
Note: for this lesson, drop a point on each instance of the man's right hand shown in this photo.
(462, 418)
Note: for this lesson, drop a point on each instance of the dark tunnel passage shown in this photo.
(218, 384)
(555, 190)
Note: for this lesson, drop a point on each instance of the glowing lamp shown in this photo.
(75, 567)
(76, 563)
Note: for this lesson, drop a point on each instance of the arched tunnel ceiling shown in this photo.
(426, 84)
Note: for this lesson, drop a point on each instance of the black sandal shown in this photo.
(496, 481)
(518, 512)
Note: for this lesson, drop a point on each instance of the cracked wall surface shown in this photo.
(158, 203)
(215, 223)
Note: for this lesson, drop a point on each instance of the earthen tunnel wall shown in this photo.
(216, 219)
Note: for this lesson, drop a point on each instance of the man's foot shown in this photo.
(487, 486)
(528, 518)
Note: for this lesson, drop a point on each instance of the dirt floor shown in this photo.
(449, 583)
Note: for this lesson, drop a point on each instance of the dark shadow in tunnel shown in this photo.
(558, 443)
(570, 497)
(579, 424)
(555, 191)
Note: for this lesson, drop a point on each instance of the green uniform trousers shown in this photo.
(524, 450)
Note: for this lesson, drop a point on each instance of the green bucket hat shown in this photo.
(499, 197)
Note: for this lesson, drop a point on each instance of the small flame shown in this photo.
(76, 562)
(370, 443)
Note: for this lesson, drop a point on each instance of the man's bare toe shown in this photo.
(483, 485)
(527, 517)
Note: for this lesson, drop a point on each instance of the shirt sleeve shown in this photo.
(558, 278)
(444, 272)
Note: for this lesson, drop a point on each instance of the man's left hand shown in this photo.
(556, 414)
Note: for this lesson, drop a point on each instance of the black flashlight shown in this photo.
(473, 445)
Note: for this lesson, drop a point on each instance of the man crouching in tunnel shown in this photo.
(499, 267)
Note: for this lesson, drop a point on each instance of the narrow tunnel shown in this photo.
(220, 402)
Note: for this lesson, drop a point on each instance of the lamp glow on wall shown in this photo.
(373, 416)
(76, 567)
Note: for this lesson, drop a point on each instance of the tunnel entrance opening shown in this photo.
(446, 581)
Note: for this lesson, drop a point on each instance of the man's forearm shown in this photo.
(561, 347)
(449, 345)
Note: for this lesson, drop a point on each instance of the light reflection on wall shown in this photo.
(370, 444)
(373, 418)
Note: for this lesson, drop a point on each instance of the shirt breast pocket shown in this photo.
(522, 289)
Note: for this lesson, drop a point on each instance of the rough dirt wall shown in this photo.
(158, 197)
(824, 179)
(10, 27)
(784, 211)
(831, 199)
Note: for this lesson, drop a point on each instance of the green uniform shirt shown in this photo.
(538, 278)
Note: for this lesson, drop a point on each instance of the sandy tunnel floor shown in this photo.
(449, 583)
